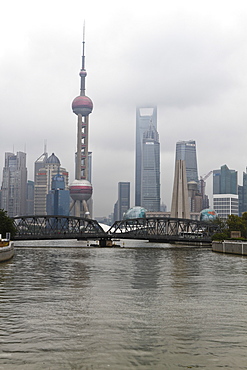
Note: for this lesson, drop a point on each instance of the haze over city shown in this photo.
(188, 58)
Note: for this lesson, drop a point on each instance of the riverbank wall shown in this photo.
(230, 246)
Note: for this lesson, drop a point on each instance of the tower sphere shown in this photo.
(83, 73)
(81, 190)
(82, 105)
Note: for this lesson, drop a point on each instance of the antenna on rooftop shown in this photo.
(45, 146)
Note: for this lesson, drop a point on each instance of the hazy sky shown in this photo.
(187, 57)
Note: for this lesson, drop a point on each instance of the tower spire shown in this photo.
(83, 72)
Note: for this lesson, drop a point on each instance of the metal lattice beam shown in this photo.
(42, 227)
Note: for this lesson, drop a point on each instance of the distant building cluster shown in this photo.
(49, 192)
(189, 199)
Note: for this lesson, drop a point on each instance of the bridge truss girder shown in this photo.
(163, 228)
(45, 227)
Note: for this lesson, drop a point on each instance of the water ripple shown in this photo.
(144, 308)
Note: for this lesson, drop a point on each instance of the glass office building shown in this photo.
(147, 176)
(225, 192)
(123, 199)
(14, 184)
(186, 151)
(225, 181)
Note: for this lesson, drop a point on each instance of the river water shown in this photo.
(142, 306)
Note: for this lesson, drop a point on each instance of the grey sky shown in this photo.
(189, 58)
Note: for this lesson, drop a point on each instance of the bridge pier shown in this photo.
(105, 242)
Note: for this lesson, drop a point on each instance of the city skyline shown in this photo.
(191, 63)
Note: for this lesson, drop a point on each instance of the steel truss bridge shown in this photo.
(156, 229)
(164, 229)
(56, 227)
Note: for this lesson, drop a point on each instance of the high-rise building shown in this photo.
(225, 181)
(123, 198)
(14, 184)
(40, 163)
(186, 151)
(30, 198)
(43, 182)
(147, 171)
(58, 198)
(225, 204)
(225, 192)
(195, 198)
(242, 195)
(123, 203)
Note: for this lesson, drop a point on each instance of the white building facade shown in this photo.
(225, 204)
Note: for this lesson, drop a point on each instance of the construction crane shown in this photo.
(203, 183)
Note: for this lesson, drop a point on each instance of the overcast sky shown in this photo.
(187, 57)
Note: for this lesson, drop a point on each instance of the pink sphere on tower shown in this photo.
(81, 190)
(82, 105)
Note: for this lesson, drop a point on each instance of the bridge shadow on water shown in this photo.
(155, 229)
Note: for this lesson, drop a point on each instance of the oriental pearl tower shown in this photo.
(81, 189)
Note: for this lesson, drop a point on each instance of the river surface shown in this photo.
(142, 306)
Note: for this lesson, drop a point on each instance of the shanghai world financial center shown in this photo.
(147, 177)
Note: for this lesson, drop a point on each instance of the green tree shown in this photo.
(236, 223)
(223, 232)
(6, 224)
(244, 217)
(233, 223)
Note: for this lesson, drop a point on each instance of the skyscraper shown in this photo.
(186, 151)
(147, 175)
(40, 163)
(58, 198)
(225, 181)
(43, 182)
(242, 195)
(14, 184)
(225, 192)
(30, 198)
(123, 199)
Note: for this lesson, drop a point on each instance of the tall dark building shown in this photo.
(225, 181)
(147, 171)
(242, 195)
(186, 151)
(58, 198)
(123, 198)
(30, 198)
(225, 192)
(14, 184)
